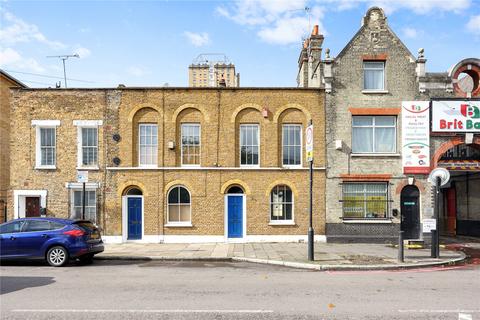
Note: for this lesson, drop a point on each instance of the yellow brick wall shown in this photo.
(5, 85)
(219, 111)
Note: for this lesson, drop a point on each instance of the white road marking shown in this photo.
(439, 311)
(144, 311)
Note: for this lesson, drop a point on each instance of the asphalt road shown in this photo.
(206, 290)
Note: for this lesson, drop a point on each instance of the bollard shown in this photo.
(433, 247)
(400, 247)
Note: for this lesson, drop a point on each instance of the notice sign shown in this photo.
(429, 225)
(455, 116)
(416, 137)
(309, 142)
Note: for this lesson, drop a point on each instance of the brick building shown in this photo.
(371, 196)
(6, 82)
(171, 164)
(212, 70)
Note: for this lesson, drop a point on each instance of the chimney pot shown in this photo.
(315, 30)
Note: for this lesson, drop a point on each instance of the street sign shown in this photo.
(429, 225)
(309, 142)
(82, 176)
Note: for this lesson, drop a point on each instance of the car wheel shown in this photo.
(86, 259)
(57, 256)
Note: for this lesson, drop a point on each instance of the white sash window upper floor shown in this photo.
(374, 75)
(87, 143)
(45, 143)
(374, 134)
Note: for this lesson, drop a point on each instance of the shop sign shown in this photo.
(416, 137)
(460, 165)
(455, 116)
(82, 176)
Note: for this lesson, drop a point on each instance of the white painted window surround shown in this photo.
(87, 149)
(45, 124)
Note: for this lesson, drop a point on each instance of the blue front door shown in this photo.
(235, 216)
(134, 206)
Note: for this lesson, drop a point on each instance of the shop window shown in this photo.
(365, 200)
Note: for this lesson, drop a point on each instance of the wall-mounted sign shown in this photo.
(429, 225)
(455, 116)
(416, 137)
(460, 165)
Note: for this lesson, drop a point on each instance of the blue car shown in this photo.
(55, 240)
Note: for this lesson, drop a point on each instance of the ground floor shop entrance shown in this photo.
(460, 209)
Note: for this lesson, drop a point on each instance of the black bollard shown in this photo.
(401, 257)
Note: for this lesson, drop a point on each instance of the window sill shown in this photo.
(375, 91)
(245, 166)
(393, 155)
(88, 168)
(278, 223)
(385, 221)
(292, 167)
(178, 225)
(46, 168)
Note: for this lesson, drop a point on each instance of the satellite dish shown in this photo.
(441, 173)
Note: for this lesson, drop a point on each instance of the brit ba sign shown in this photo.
(455, 116)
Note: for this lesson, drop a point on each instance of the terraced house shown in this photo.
(171, 164)
(379, 97)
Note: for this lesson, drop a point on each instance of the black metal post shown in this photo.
(401, 257)
(435, 249)
(437, 215)
(83, 202)
(310, 227)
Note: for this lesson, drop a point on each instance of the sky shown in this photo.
(152, 43)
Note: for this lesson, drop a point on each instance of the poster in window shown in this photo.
(416, 137)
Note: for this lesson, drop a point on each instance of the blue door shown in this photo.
(235, 216)
(134, 206)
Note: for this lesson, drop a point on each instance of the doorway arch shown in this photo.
(235, 213)
(410, 212)
(132, 214)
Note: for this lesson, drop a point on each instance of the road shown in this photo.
(225, 290)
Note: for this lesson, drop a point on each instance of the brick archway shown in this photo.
(449, 145)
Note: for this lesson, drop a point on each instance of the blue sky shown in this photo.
(151, 43)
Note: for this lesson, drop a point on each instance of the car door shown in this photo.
(8, 238)
(34, 234)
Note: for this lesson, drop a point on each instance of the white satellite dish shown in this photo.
(441, 173)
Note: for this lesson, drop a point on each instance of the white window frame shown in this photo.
(44, 124)
(301, 146)
(374, 126)
(387, 201)
(282, 222)
(240, 145)
(374, 69)
(80, 124)
(199, 146)
(72, 202)
(178, 223)
(154, 165)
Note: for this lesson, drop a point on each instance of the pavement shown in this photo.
(328, 256)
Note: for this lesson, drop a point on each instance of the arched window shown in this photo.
(281, 204)
(179, 206)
